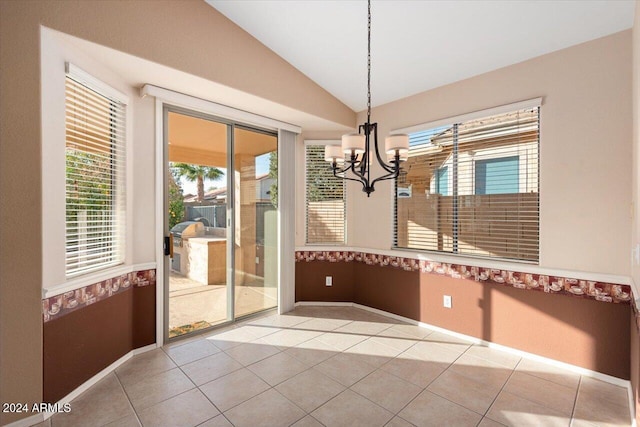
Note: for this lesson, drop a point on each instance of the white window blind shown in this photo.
(325, 200)
(95, 176)
(474, 188)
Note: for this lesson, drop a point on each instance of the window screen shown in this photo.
(95, 170)
(475, 188)
(325, 200)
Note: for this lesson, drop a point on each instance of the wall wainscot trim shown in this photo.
(567, 286)
(59, 305)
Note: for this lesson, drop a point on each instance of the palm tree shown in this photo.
(197, 173)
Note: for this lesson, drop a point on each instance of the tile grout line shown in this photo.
(400, 378)
(292, 402)
(430, 382)
(196, 387)
(394, 414)
(135, 412)
(575, 401)
(500, 391)
(219, 415)
(368, 336)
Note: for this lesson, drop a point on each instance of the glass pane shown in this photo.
(498, 176)
(256, 227)
(197, 197)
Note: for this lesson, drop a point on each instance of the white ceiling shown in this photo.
(418, 45)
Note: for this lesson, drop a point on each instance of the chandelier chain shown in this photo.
(360, 149)
(369, 63)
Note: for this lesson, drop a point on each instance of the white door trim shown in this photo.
(160, 258)
(286, 205)
(178, 99)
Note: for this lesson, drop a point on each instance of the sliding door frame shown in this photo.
(286, 176)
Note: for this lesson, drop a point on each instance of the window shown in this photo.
(325, 200)
(475, 188)
(95, 173)
(442, 181)
(497, 176)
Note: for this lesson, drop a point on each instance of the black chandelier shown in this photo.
(356, 153)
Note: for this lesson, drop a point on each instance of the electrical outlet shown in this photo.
(257, 260)
(328, 281)
(446, 301)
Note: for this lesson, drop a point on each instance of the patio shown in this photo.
(194, 306)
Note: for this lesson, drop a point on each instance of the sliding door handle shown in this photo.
(168, 245)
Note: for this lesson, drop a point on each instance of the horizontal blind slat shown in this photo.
(474, 188)
(325, 200)
(95, 192)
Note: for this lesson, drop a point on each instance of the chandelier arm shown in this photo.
(391, 175)
(360, 175)
(364, 185)
(389, 168)
(364, 161)
(351, 167)
(341, 170)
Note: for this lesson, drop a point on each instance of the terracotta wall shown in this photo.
(570, 328)
(310, 282)
(88, 329)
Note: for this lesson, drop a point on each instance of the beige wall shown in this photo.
(188, 36)
(585, 163)
(635, 197)
(635, 174)
(140, 218)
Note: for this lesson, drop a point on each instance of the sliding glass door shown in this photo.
(222, 244)
(256, 197)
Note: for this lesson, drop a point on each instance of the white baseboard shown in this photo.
(569, 367)
(632, 405)
(144, 349)
(531, 356)
(38, 418)
(326, 304)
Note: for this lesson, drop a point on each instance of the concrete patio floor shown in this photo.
(192, 303)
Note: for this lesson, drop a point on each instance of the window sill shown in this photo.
(91, 278)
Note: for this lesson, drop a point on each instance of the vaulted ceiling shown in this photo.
(418, 45)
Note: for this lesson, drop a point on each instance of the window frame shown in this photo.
(117, 173)
(322, 143)
(462, 118)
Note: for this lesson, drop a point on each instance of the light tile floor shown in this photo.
(339, 366)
